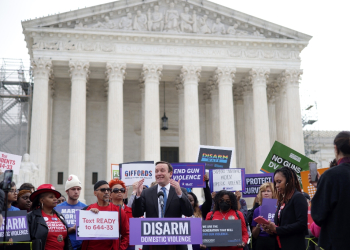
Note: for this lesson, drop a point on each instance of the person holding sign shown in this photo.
(102, 193)
(175, 198)
(73, 188)
(226, 208)
(290, 225)
(44, 223)
(263, 241)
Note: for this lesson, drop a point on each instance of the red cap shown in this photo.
(44, 188)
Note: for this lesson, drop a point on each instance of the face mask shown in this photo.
(224, 206)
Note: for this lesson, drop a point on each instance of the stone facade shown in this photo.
(231, 80)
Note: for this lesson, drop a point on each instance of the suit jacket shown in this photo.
(292, 225)
(175, 206)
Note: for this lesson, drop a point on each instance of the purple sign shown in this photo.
(268, 209)
(165, 231)
(69, 213)
(191, 174)
(253, 183)
(16, 226)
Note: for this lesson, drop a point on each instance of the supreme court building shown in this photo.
(230, 80)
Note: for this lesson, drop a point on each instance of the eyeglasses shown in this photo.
(117, 190)
(13, 191)
(103, 190)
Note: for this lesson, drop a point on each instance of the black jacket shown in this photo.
(292, 225)
(38, 229)
(330, 207)
(175, 206)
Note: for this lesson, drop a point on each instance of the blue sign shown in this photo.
(191, 174)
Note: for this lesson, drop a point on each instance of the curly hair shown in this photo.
(262, 188)
(291, 180)
(197, 212)
(116, 181)
(219, 195)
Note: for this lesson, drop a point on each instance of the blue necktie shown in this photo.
(165, 199)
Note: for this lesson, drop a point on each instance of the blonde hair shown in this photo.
(262, 188)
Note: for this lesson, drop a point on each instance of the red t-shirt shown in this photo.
(219, 216)
(128, 211)
(109, 244)
(57, 232)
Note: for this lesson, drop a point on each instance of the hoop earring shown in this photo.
(42, 205)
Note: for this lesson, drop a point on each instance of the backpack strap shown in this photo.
(212, 215)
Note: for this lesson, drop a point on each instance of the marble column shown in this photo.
(271, 92)
(239, 126)
(115, 115)
(281, 113)
(214, 94)
(190, 77)
(249, 132)
(142, 90)
(258, 78)
(296, 138)
(42, 70)
(224, 77)
(151, 75)
(79, 72)
(208, 112)
(180, 92)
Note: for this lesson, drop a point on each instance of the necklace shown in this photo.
(223, 216)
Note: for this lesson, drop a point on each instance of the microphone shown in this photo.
(161, 198)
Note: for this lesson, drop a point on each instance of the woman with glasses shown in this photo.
(226, 208)
(23, 200)
(11, 197)
(117, 195)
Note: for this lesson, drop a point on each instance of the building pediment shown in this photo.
(171, 18)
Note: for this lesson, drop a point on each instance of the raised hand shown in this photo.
(139, 187)
(314, 183)
(176, 185)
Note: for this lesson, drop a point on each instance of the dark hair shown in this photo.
(36, 202)
(291, 180)
(333, 163)
(197, 212)
(219, 195)
(26, 186)
(170, 168)
(342, 142)
(5, 202)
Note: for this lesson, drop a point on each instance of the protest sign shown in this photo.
(115, 171)
(307, 187)
(215, 157)
(190, 174)
(10, 162)
(268, 209)
(282, 156)
(253, 183)
(227, 179)
(101, 226)
(69, 213)
(165, 231)
(16, 226)
(132, 172)
(221, 233)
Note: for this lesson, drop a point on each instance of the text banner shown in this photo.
(132, 172)
(10, 162)
(282, 156)
(268, 209)
(253, 183)
(16, 226)
(165, 231)
(215, 157)
(221, 233)
(227, 179)
(91, 226)
(191, 174)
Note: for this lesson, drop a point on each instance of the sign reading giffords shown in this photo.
(165, 231)
(16, 226)
(190, 174)
(282, 156)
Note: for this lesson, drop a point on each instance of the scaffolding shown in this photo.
(15, 106)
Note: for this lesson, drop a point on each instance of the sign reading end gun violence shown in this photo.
(253, 183)
(165, 231)
(16, 226)
(231, 179)
(282, 156)
(190, 174)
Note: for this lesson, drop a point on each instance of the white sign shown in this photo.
(102, 225)
(115, 171)
(227, 179)
(10, 162)
(132, 172)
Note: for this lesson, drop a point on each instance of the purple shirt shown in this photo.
(256, 214)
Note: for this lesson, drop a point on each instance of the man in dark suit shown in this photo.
(177, 203)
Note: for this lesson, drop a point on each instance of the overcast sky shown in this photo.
(325, 60)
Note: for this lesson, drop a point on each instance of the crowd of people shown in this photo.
(48, 228)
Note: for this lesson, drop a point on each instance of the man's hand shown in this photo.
(176, 185)
(314, 183)
(134, 187)
(238, 195)
(206, 177)
(94, 210)
(125, 196)
(139, 187)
